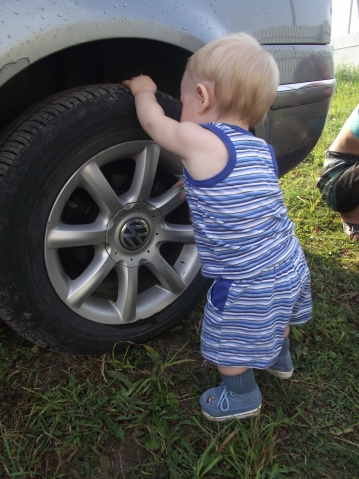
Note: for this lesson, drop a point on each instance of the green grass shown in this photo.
(136, 414)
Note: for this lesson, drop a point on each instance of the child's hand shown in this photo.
(179, 184)
(142, 82)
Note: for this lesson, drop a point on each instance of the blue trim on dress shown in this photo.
(219, 292)
(231, 163)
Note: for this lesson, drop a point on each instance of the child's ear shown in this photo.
(204, 97)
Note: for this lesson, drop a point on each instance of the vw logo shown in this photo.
(134, 234)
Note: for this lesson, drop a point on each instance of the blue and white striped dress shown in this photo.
(246, 242)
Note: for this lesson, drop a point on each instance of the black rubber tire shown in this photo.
(38, 153)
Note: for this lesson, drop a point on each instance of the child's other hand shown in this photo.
(142, 82)
(179, 184)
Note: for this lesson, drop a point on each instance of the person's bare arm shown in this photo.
(203, 153)
(179, 138)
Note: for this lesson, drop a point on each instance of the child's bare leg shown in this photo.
(231, 371)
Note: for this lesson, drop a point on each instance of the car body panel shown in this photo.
(35, 34)
(31, 30)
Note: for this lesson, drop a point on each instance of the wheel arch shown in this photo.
(100, 61)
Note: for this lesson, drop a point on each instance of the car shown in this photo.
(96, 245)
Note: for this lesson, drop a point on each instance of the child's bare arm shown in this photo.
(203, 153)
(168, 133)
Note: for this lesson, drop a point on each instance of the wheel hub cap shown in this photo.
(134, 234)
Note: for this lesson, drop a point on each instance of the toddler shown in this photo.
(244, 237)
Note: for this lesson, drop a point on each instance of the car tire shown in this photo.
(96, 246)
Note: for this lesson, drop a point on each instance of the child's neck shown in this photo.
(234, 121)
(211, 115)
(226, 119)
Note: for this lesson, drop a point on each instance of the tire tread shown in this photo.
(21, 132)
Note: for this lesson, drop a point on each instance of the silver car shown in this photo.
(96, 246)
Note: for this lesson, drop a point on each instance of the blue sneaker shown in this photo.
(283, 367)
(220, 404)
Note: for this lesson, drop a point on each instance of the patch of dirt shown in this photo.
(129, 454)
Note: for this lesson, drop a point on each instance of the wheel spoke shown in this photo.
(168, 201)
(179, 233)
(127, 293)
(66, 236)
(146, 166)
(81, 288)
(167, 276)
(94, 182)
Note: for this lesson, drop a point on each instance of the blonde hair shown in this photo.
(245, 76)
